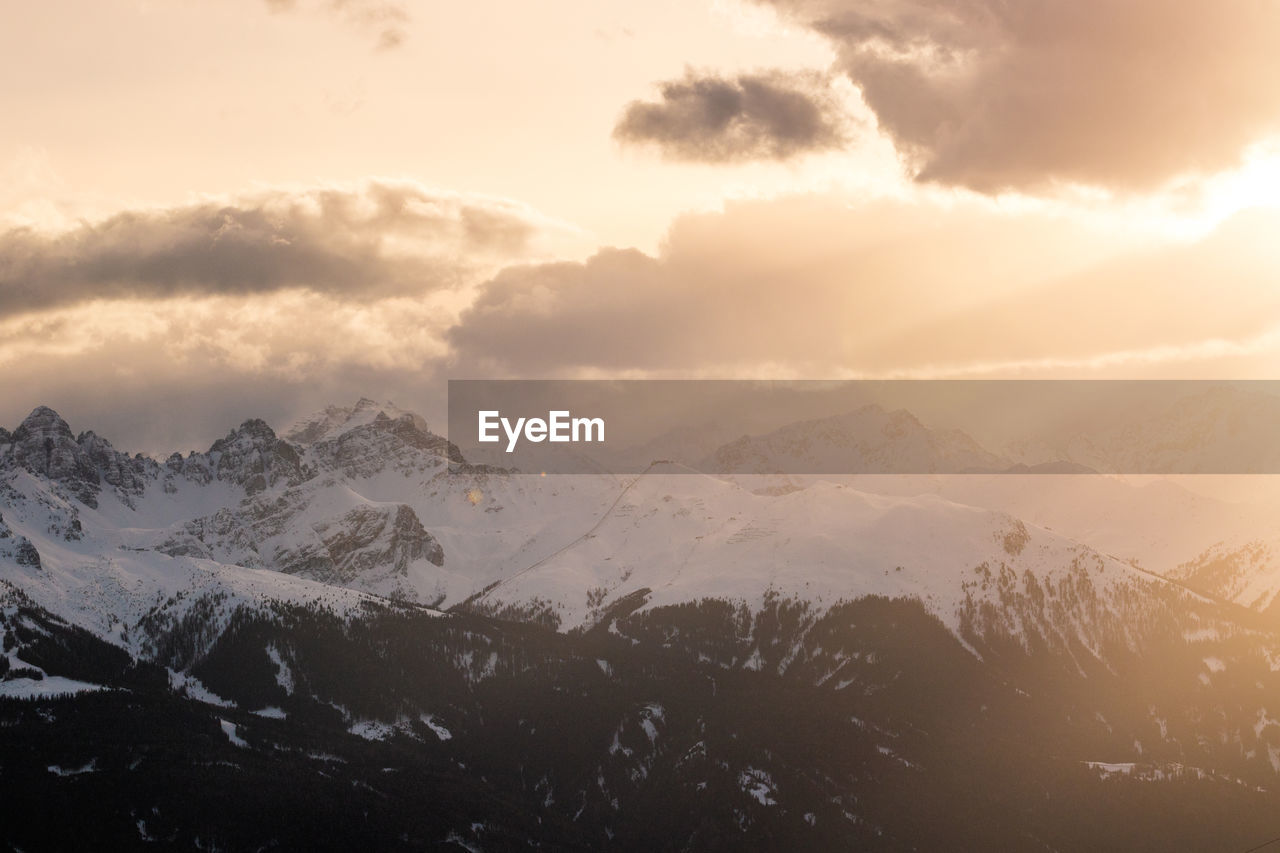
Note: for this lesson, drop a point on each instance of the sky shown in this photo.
(219, 209)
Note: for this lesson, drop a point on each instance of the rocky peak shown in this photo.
(115, 468)
(252, 456)
(866, 440)
(899, 419)
(372, 538)
(254, 432)
(44, 424)
(386, 443)
(333, 421)
(412, 431)
(43, 444)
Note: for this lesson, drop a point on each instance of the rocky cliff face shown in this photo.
(298, 515)
(299, 531)
(44, 444)
(335, 420)
(116, 469)
(250, 456)
(17, 548)
(253, 457)
(400, 444)
(369, 538)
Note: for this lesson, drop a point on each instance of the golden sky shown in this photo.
(211, 209)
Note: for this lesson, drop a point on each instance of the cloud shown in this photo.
(383, 238)
(995, 95)
(1213, 298)
(802, 287)
(811, 284)
(799, 287)
(811, 288)
(386, 19)
(175, 374)
(768, 115)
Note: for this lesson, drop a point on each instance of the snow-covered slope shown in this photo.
(1157, 524)
(1245, 571)
(685, 538)
(85, 571)
(367, 504)
(366, 499)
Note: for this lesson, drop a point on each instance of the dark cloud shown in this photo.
(386, 19)
(992, 94)
(769, 115)
(383, 239)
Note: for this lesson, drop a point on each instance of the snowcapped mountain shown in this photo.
(367, 499)
(687, 538)
(1154, 523)
(275, 604)
(1214, 430)
(336, 420)
(44, 445)
(866, 441)
(82, 568)
(77, 516)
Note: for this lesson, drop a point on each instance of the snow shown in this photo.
(759, 785)
(191, 687)
(456, 839)
(439, 730)
(1111, 768)
(90, 767)
(377, 730)
(651, 712)
(46, 688)
(1264, 720)
(233, 733)
(271, 712)
(335, 420)
(102, 583)
(1162, 772)
(686, 537)
(284, 675)
(583, 542)
(371, 729)
(650, 730)
(616, 747)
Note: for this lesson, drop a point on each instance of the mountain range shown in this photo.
(668, 660)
